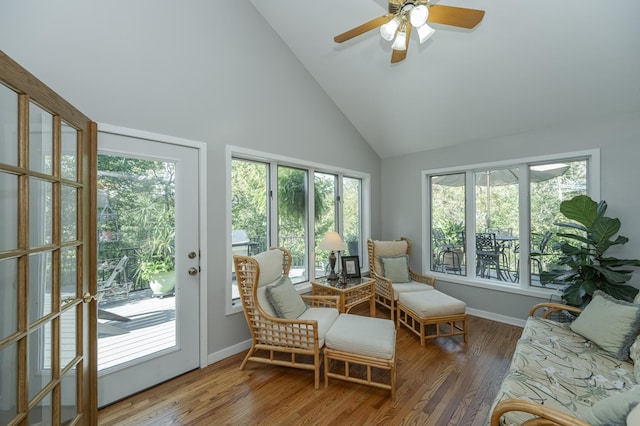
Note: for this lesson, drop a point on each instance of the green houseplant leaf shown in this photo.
(581, 266)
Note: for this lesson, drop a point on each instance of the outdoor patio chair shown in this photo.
(488, 256)
(280, 334)
(114, 287)
(447, 256)
(539, 251)
(389, 267)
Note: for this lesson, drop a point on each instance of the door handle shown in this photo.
(87, 297)
(192, 271)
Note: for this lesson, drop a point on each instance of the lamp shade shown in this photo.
(400, 42)
(425, 32)
(332, 241)
(418, 15)
(388, 30)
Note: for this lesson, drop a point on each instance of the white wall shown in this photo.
(619, 141)
(204, 70)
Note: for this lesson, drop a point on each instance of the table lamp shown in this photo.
(333, 242)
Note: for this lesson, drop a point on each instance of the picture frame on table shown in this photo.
(351, 266)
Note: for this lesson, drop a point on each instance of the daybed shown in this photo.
(579, 373)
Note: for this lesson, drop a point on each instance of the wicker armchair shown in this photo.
(386, 290)
(293, 343)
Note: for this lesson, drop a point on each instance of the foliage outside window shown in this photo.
(136, 217)
(483, 234)
(270, 205)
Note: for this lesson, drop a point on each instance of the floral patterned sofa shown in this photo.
(560, 377)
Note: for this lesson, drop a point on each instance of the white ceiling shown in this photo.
(527, 65)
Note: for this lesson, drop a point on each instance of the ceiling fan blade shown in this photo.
(367, 26)
(456, 16)
(400, 55)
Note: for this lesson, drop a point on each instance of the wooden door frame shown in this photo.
(29, 88)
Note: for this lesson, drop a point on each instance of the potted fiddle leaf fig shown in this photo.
(582, 265)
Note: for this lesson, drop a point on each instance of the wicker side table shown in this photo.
(352, 293)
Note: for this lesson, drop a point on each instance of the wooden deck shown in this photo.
(151, 328)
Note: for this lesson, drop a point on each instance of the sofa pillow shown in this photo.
(270, 263)
(613, 411)
(634, 354)
(396, 268)
(387, 249)
(284, 299)
(633, 419)
(610, 323)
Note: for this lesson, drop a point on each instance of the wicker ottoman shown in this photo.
(366, 341)
(418, 309)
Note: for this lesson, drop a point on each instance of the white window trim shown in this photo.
(593, 188)
(250, 154)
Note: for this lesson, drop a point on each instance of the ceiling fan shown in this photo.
(405, 14)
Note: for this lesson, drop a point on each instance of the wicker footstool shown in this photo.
(366, 341)
(418, 309)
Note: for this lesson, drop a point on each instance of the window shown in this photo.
(278, 202)
(494, 223)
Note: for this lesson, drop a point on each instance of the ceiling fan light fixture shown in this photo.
(425, 32)
(388, 30)
(400, 42)
(418, 15)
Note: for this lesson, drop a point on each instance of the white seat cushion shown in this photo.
(270, 263)
(373, 337)
(387, 248)
(411, 286)
(326, 317)
(432, 303)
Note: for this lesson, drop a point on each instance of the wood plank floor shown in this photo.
(446, 383)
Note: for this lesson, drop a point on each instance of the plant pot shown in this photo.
(163, 283)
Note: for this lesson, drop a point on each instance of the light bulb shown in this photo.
(425, 32)
(418, 15)
(388, 30)
(400, 42)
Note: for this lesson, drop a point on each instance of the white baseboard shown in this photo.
(227, 352)
(496, 317)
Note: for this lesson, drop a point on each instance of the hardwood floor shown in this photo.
(446, 383)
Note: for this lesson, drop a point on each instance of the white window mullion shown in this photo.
(273, 205)
(470, 223)
(524, 230)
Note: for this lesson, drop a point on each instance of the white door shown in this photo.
(148, 319)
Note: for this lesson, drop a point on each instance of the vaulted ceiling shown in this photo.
(527, 65)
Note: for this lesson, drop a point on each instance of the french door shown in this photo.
(148, 261)
(47, 255)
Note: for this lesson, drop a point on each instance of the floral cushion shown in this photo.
(561, 369)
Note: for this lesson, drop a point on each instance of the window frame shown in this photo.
(274, 161)
(592, 157)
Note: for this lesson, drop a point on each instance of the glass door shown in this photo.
(148, 263)
(46, 191)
